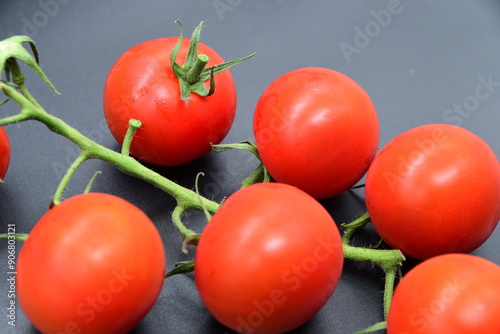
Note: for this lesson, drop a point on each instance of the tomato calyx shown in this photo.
(260, 173)
(12, 50)
(193, 74)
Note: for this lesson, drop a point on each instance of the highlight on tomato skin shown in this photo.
(93, 264)
(316, 129)
(434, 189)
(268, 260)
(452, 293)
(4, 153)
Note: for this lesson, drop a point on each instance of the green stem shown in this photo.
(67, 177)
(390, 260)
(354, 226)
(193, 74)
(205, 211)
(133, 126)
(176, 219)
(16, 236)
(15, 119)
(390, 281)
(24, 91)
(384, 258)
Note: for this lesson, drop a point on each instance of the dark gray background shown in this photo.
(428, 57)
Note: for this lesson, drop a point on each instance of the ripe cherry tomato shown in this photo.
(93, 264)
(434, 189)
(268, 260)
(453, 293)
(141, 85)
(316, 129)
(4, 153)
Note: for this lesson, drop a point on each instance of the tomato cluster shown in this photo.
(432, 192)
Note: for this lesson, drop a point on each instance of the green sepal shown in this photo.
(246, 145)
(11, 50)
(260, 173)
(88, 188)
(181, 268)
(377, 327)
(193, 74)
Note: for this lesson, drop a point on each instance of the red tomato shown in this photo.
(142, 85)
(434, 189)
(4, 153)
(448, 294)
(268, 260)
(93, 264)
(316, 129)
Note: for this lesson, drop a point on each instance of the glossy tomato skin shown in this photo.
(142, 85)
(268, 260)
(434, 189)
(448, 294)
(93, 264)
(316, 129)
(4, 153)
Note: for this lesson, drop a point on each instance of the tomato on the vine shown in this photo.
(93, 264)
(434, 189)
(178, 124)
(452, 293)
(316, 129)
(4, 153)
(268, 260)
